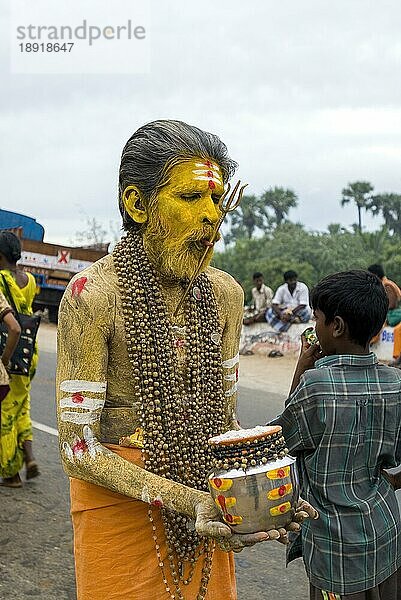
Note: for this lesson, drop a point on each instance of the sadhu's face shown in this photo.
(180, 225)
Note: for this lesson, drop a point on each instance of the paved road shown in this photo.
(35, 533)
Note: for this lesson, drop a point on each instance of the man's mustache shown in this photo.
(204, 234)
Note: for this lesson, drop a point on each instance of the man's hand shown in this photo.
(208, 523)
(286, 315)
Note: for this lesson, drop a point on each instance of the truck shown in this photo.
(52, 265)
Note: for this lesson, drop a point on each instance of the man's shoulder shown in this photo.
(224, 283)
(95, 282)
(302, 285)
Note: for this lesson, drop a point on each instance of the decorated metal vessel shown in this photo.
(254, 481)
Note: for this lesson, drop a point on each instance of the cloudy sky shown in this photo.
(306, 95)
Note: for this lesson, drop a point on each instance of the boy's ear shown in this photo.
(339, 327)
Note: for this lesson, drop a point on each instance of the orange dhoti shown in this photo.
(115, 555)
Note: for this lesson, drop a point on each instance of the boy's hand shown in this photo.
(308, 356)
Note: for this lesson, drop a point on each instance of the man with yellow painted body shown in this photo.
(142, 386)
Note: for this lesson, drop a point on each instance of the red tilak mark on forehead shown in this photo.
(212, 184)
(210, 174)
(208, 164)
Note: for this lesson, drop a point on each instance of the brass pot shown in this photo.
(259, 497)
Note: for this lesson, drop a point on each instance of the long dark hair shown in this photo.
(154, 148)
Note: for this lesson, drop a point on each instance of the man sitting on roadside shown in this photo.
(261, 299)
(290, 304)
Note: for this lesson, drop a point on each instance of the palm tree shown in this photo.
(360, 193)
(279, 200)
(247, 218)
(389, 205)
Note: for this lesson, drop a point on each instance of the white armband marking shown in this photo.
(232, 377)
(77, 385)
(86, 418)
(232, 390)
(231, 362)
(84, 403)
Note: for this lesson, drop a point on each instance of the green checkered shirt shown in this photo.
(343, 423)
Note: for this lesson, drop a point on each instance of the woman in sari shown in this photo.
(16, 427)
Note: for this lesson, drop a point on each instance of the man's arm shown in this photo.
(85, 324)
(232, 297)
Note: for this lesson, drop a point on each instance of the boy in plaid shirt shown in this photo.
(342, 421)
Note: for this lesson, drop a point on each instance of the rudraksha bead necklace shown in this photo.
(179, 413)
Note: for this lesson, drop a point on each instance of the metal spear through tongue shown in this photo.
(227, 203)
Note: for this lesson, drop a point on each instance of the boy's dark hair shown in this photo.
(377, 269)
(290, 275)
(356, 296)
(257, 274)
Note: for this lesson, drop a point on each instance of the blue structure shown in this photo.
(31, 230)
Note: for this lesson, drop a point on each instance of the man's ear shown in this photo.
(134, 205)
(339, 327)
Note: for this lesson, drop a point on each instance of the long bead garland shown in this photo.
(179, 412)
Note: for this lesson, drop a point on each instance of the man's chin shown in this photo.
(179, 262)
(184, 266)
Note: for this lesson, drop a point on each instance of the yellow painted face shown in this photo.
(185, 213)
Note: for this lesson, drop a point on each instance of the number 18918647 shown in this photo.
(46, 47)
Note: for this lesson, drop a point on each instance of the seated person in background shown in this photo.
(290, 304)
(261, 300)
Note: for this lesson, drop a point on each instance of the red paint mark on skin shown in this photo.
(158, 503)
(208, 164)
(280, 473)
(212, 184)
(236, 374)
(282, 490)
(210, 174)
(77, 398)
(179, 343)
(283, 508)
(80, 445)
(217, 482)
(229, 518)
(78, 287)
